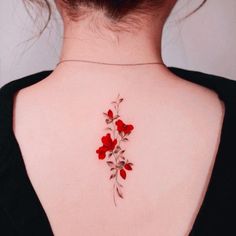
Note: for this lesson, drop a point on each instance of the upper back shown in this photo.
(173, 147)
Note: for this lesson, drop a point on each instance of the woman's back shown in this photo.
(54, 175)
(173, 148)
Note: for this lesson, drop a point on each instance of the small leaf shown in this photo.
(118, 148)
(119, 193)
(119, 184)
(122, 151)
(125, 139)
(108, 121)
(117, 116)
(108, 128)
(112, 176)
(110, 164)
(121, 163)
(131, 164)
(110, 154)
(122, 157)
(121, 99)
(112, 169)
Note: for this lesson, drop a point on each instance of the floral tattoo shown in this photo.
(112, 147)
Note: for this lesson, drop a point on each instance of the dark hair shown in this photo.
(113, 9)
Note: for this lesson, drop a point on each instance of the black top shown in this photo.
(21, 212)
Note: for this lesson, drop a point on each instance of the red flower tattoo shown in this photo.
(122, 127)
(108, 145)
(111, 147)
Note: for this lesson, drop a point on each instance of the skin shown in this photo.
(58, 123)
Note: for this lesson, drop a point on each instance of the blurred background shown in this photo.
(205, 41)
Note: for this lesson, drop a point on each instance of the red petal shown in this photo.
(119, 122)
(98, 150)
(123, 173)
(101, 149)
(101, 152)
(115, 142)
(101, 156)
(120, 125)
(106, 139)
(130, 127)
(111, 147)
(127, 167)
(110, 114)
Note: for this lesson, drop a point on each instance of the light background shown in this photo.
(205, 41)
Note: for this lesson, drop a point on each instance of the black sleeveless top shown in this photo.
(21, 212)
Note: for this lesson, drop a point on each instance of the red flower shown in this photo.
(101, 152)
(108, 145)
(121, 126)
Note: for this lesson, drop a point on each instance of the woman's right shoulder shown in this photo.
(24, 81)
(8, 89)
(7, 93)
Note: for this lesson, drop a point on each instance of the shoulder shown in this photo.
(224, 87)
(22, 82)
(215, 90)
(7, 93)
(219, 91)
(206, 93)
(213, 97)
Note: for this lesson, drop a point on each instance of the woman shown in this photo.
(112, 141)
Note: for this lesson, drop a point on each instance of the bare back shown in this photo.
(173, 146)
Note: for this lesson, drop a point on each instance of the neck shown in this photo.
(80, 42)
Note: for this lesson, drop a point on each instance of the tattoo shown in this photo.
(112, 147)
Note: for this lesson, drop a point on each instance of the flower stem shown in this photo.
(119, 138)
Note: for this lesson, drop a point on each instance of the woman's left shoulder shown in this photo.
(223, 86)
